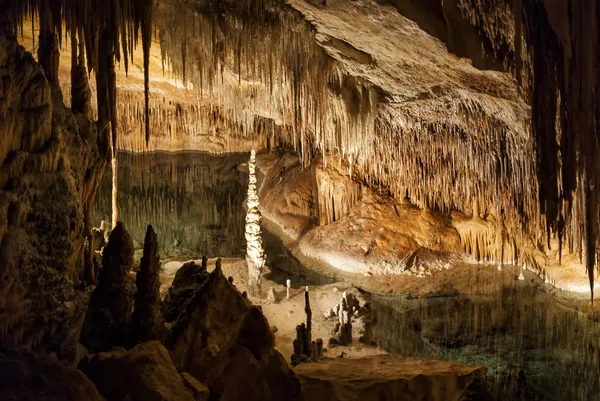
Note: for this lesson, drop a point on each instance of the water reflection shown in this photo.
(533, 347)
(193, 200)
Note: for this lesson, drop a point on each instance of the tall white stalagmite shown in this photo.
(255, 255)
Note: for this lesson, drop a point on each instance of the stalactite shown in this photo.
(100, 25)
(146, 25)
(543, 179)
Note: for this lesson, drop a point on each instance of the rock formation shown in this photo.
(111, 305)
(51, 161)
(305, 348)
(143, 373)
(146, 318)
(351, 318)
(224, 342)
(386, 377)
(187, 279)
(255, 255)
(25, 375)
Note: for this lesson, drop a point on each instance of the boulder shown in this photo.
(224, 342)
(146, 373)
(26, 376)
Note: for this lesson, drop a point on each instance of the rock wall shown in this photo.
(50, 163)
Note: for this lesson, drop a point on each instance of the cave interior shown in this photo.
(279, 200)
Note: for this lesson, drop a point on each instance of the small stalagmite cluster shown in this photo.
(305, 348)
(349, 314)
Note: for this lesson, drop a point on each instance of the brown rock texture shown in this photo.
(25, 375)
(385, 377)
(143, 373)
(224, 342)
(50, 164)
(146, 314)
(200, 391)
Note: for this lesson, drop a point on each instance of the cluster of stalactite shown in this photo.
(560, 41)
(257, 67)
(535, 185)
(101, 32)
(566, 118)
(497, 25)
(335, 192)
(262, 58)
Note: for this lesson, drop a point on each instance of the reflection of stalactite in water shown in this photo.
(516, 328)
(193, 201)
(255, 255)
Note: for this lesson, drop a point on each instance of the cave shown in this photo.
(273, 200)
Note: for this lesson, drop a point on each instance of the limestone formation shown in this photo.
(145, 372)
(305, 348)
(255, 255)
(386, 377)
(351, 317)
(308, 312)
(111, 305)
(224, 342)
(93, 254)
(50, 163)
(114, 290)
(272, 296)
(187, 279)
(147, 318)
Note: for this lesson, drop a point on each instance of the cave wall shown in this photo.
(51, 162)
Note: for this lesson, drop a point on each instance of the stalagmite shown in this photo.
(255, 256)
(288, 285)
(112, 300)
(146, 316)
(308, 312)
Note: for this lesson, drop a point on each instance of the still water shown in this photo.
(534, 347)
